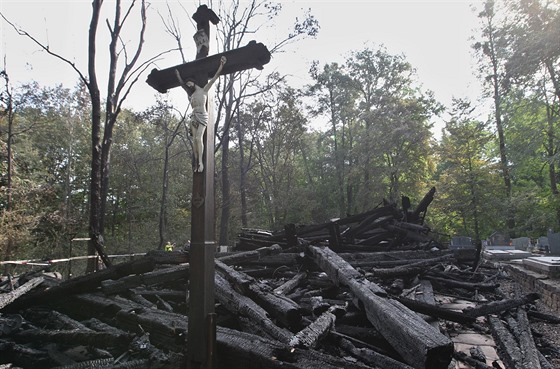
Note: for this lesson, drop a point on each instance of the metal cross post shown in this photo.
(196, 78)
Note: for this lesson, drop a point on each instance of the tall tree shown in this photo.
(395, 118)
(534, 66)
(239, 20)
(335, 95)
(119, 85)
(465, 174)
(380, 121)
(491, 51)
(277, 149)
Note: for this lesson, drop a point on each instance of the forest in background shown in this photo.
(272, 166)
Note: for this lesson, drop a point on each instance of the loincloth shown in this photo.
(199, 118)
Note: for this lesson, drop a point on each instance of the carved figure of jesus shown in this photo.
(198, 97)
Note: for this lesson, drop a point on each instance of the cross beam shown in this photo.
(254, 55)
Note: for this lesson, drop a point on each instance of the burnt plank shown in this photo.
(530, 355)
(371, 357)
(85, 283)
(278, 306)
(420, 344)
(499, 306)
(8, 298)
(239, 304)
(170, 274)
(508, 349)
(311, 335)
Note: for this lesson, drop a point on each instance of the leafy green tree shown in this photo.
(534, 148)
(533, 35)
(380, 121)
(239, 20)
(533, 70)
(335, 95)
(467, 187)
(48, 189)
(277, 149)
(122, 75)
(492, 52)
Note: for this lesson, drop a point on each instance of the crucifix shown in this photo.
(196, 78)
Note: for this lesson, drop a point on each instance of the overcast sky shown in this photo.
(433, 36)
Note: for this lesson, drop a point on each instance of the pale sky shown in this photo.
(433, 36)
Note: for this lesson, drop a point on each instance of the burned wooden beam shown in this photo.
(530, 355)
(420, 345)
(310, 336)
(420, 210)
(410, 269)
(113, 286)
(241, 305)
(86, 283)
(25, 356)
(242, 257)
(340, 272)
(436, 311)
(291, 284)
(371, 357)
(500, 306)
(78, 337)
(253, 352)
(508, 349)
(7, 298)
(278, 306)
(462, 284)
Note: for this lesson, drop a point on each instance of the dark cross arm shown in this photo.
(254, 55)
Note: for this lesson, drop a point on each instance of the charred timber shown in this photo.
(7, 298)
(530, 355)
(372, 357)
(420, 345)
(311, 335)
(461, 284)
(241, 305)
(508, 349)
(247, 256)
(278, 306)
(85, 283)
(496, 307)
(410, 269)
(435, 311)
(147, 279)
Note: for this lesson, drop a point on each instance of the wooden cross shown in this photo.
(202, 324)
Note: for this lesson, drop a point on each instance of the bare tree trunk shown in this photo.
(226, 186)
(101, 150)
(492, 54)
(243, 169)
(165, 183)
(162, 207)
(338, 161)
(9, 201)
(95, 242)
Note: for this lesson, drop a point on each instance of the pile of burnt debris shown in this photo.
(366, 291)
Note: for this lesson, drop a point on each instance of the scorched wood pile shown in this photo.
(358, 292)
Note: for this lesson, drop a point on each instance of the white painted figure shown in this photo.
(198, 97)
